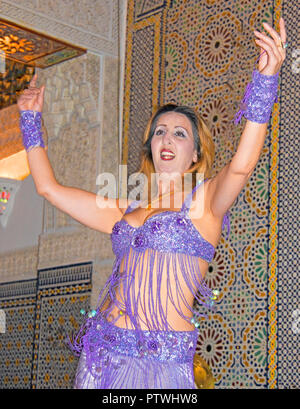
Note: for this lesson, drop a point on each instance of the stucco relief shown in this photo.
(80, 109)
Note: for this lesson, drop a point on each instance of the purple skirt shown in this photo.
(118, 358)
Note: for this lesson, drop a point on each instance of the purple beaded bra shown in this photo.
(167, 232)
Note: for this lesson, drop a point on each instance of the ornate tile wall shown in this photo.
(18, 301)
(61, 293)
(202, 54)
(40, 315)
(287, 295)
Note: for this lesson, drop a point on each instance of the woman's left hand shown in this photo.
(273, 52)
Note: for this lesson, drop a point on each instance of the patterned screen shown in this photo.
(39, 316)
(202, 53)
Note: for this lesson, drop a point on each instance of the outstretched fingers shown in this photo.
(282, 30)
(267, 43)
(278, 39)
(273, 46)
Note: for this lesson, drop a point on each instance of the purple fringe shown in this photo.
(144, 273)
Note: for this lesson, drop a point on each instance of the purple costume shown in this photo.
(156, 269)
(156, 272)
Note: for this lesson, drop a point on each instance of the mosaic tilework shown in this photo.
(18, 301)
(144, 8)
(61, 293)
(288, 296)
(142, 97)
(207, 56)
(147, 93)
(39, 315)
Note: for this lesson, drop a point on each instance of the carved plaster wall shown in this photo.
(81, 115)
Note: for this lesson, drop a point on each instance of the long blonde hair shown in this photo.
(202, 137)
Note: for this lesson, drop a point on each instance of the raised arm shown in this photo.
(85, 207)
(225, 187)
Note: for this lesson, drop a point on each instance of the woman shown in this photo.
(143, 333)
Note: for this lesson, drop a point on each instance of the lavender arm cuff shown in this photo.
(260, 95)
(31, 128)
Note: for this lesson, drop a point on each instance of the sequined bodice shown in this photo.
(167, 232)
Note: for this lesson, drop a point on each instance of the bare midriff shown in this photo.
(142, 288)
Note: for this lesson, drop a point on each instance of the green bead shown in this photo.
(92, 313)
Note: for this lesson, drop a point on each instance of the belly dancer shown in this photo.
(143, 333)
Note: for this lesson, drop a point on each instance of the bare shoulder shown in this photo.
(90, 209)
(208, 225)
(210, 187)
(201, 204)
(123, 205)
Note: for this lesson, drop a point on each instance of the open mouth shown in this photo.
(166, 154)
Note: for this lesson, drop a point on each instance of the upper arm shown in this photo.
(224, 188)
(86, 207)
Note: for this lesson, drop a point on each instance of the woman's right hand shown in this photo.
(32, 99)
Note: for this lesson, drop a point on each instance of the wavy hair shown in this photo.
(202, 138)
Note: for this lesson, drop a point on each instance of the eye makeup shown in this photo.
(179, 131)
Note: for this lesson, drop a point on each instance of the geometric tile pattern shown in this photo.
(39, 315)
(145, 94)
(288, 291)
(61, 293)
(18, 301)
(206, 57)
(141, 96)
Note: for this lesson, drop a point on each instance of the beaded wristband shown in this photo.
(260, 95)
(31, 127)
